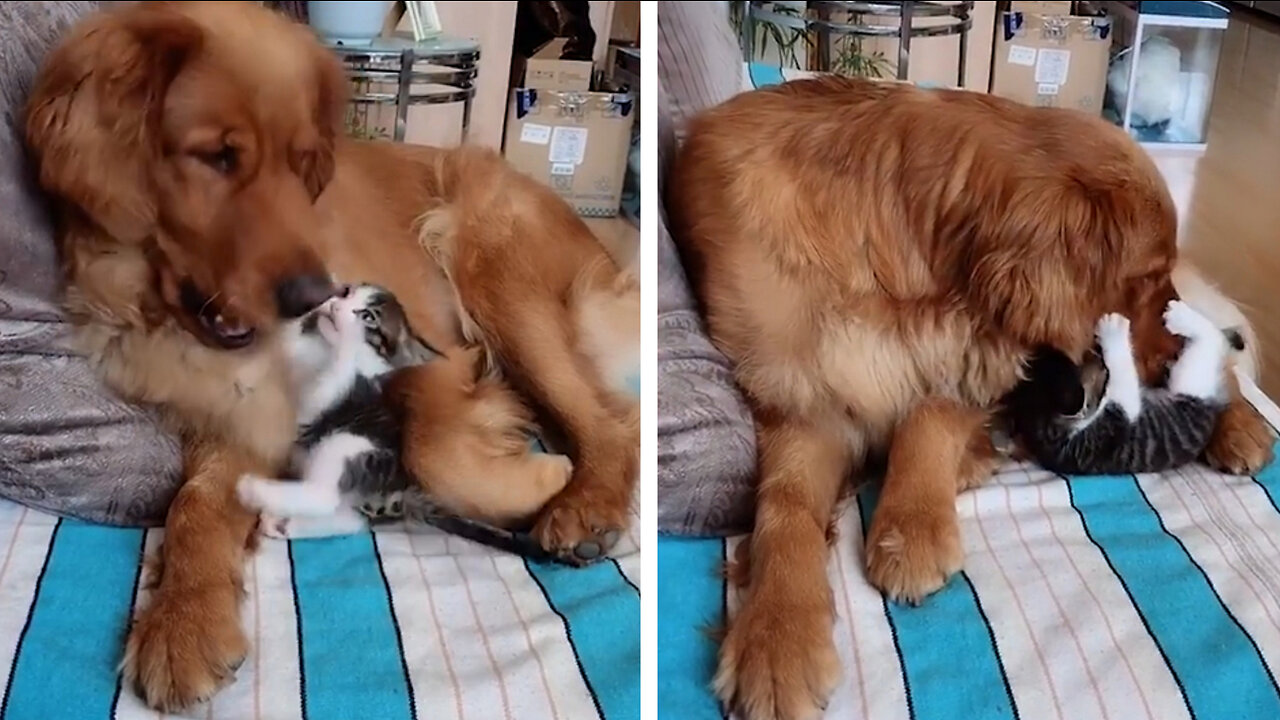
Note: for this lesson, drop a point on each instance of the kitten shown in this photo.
(1058, 418)
(347, 455)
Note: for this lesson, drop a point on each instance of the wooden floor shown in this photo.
(620, 238)
(1232, 230)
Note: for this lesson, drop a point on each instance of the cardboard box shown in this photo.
(575, 142)
(1052, 60)
(546, 71)
(1041, 7)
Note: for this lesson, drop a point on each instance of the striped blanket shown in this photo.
(1084, 597)
(397, 624)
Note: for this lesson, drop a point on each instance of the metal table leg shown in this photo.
(904, 39)
(403, 87)
(466, 115)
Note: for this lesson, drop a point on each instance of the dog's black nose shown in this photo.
(296, 296)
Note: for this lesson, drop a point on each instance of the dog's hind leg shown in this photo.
(534, 342)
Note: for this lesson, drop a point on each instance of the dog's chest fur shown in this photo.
(240, 396)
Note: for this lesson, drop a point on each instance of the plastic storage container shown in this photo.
(1160, 78)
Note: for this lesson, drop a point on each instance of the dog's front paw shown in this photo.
(185, 646)
(913, 551)
(778, 660)
(1113, 330)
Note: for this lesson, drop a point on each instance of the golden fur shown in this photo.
(196, 158)
(472, 434)
(876, 259)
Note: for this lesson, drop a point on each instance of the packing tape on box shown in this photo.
(575, 104)
(1056, 27)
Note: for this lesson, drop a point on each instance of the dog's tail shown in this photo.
(1209, 300)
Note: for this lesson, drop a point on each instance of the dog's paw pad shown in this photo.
(597, 546)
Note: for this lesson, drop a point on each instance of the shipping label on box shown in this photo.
(1052, 60)
(574, 142)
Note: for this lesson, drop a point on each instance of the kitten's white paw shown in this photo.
(274, 527)
(1113, 330)
(1184, 321)
(247, 491)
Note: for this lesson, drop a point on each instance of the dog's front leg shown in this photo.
(778, 660)
(913, 545)
(188, 642)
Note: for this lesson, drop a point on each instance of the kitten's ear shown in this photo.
(1235, 339)
(419, 351)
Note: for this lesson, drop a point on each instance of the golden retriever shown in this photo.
(875, 259)
(472, 439)
(205, 190)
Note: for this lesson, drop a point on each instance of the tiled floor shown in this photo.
(1232, 230)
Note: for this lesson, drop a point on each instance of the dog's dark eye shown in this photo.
(366, 317)
(224, 160)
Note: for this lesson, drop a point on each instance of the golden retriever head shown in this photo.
(199, 136)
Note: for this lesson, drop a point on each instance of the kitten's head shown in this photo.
(365, 317)
(1054, 386)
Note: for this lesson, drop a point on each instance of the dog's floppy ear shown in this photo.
(330, 113)
(93, 115)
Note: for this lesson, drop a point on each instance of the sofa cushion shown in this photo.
(67, 445)
(706, 440)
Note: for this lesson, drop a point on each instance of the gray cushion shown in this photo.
(706, 441)
(66, 444)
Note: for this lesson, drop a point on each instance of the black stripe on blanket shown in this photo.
(133, 606)
(395, 621)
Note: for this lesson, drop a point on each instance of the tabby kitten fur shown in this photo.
(347, 455)
(1097, 419)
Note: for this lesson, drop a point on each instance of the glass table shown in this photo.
(393, 61)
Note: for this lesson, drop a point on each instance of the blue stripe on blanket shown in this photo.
(764, 75)
(601, 615)
(68, 653)
(949, 624)
(689, 605)
(344, 612)
(1215, 662)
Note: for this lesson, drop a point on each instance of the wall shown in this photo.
(493, 25)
